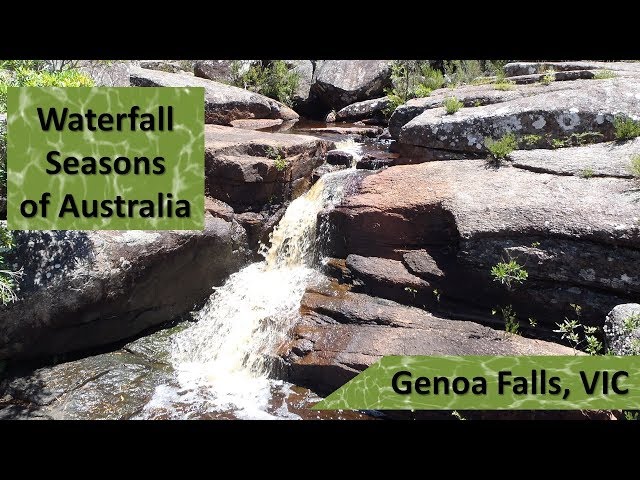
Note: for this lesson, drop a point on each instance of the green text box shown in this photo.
(373, 388)
(181, 182)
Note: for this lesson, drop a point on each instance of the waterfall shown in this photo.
(223, 355)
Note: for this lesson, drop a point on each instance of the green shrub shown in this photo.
(604, 75)
(587, 173)
(499, 149)
(461, 72)
(634, 166)
(508, 273)
(24, 75)
(531, 139)
(421, 91)
(548, 77)
(504, 85)
(511, 323)
(273, 80)
(7, 277)
(432, 79)
(411, 79)
(281, 164)
(452, 105)
(280, 161)
(625, 127)
(631, 323)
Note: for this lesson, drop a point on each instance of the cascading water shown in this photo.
(220, 361)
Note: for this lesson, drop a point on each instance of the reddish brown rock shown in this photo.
(250, 170)
(578, 248)
(323, 355)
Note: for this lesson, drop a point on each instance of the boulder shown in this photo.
(261, 124)
(223, 103)
(162, 66)
(611, 159)
(303, 100)
(580, 248)
(341, 333)
(469, 95)
(622, 329)
(81, 290)
(374, 162)
(529, 68)
(339, 83)
(250, 170)
(553, 77)
(587, 108)
(373, 110)
(107, 73)
(339, 157)
(219, 70)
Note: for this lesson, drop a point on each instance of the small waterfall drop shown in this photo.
(224, 353)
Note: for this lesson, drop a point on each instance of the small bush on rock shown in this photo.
(625, 127)
(604, 75)
(452, 105)
(508, 273)
(634, 166)
(499, 149)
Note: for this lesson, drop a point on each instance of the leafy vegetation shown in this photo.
(459, 72)
(570, 330)
(40, 73)
(587, 173)
(548, 77)
(509, 273)
(625, 127)
(412, 79)
(412, 291)
(452, 105)
(631, 323)
(604, 75)
(504, 85)
(634, 166)
(7, 277)
(499, 149)
(280, 161)
(531, 139)
(511, 323)
(272, 79)
(436, 294)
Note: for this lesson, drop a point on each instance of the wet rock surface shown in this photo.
(86, 289)
(248, 169)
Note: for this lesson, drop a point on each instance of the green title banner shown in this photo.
(104, 158)
(492, 383)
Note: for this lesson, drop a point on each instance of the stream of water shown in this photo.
(221, 360)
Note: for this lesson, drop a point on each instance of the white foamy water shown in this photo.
(221, 361)
(352, 147)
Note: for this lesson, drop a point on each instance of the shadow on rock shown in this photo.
(47, 255)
